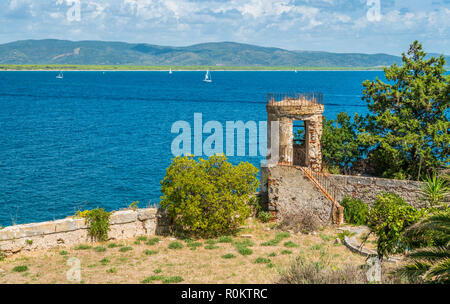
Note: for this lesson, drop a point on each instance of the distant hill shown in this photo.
(53, 51)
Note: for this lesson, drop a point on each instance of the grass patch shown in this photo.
(125, 249)
(228, 256)
(272, 254)
(113, 245)
(194, 245)
(290, 244)
(152, 241)
(99, 249)
(316, 247)
(152, 278)
(343, 234)
(225, 239)
(175, 245)
(244, 250)
(104, 261)
(150, 252)
(261, 260)
(112, 270)
(211, 246)
(63, 252)
(21, 268)
(82, 247)
(325, 237)
(142, 238)
(286, 252)
(158, 270)
(174, 279)
(245, 242)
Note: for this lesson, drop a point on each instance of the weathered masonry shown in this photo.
(293, 183)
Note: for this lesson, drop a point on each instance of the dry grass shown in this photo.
(202, 265)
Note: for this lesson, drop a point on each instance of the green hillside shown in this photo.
(63, 52)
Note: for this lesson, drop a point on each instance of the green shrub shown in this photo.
(355, 211)
(228, 256)
(435, 190)
(142, 238)
(98, 222)
(264, 216)
(63, 252)
(104, 261)
(194, 245)
(388, 218)
(290, 244)
(150, 252)
(113, 245)
(208, 197)
(286, 252)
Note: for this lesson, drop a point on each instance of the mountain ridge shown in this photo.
(227, 53)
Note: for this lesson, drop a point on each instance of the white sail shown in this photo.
(60, 75)
(207, 77)
(170, 71)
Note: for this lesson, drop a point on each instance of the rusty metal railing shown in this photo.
(295, 99)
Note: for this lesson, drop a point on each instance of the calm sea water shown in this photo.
(103, 139)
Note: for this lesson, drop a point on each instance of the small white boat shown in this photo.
(60, 76)
(207, 77)
(170, 71)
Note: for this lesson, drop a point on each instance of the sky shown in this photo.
(366, 26)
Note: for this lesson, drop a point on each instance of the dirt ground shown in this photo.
(146, 260)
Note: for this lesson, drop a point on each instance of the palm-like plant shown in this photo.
(430, 264)
(435, 190)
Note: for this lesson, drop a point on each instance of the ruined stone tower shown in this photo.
(287, 108)
(292, 184)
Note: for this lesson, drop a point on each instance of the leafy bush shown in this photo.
(21, 268)
(265, 216)
(388, 218)
(98, 222)
(175, 245)
(429, 264)
(208, 197)
(355, 211)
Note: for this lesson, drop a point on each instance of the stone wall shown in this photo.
(287, 191)
(368, 188)
(68, 232)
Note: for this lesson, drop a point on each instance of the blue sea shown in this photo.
(97, 139)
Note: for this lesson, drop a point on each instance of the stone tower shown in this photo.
(287, 108)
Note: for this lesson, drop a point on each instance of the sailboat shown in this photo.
(170, 71)
(60, 75)
(207, 77)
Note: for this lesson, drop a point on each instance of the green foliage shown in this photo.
(210, 247)
(142, 238)
(225, 239)
(264, 216)
(104, 261)
(63, 252)
(152, 278)
(261, 260)
(150, 252)
(355, 211)
(113, 245)
(125, 249)
(29, 242)
(208, 197)
(98, 222)
(175, 245)
(21, 268)
(242, 247)
(286, 252)
(228, 256)
(290, 244)
(407, 126)
(278, 238)
(435, 190)
(388, 218)
(152, 241)
(134, 205)
(340, 145)
(99, 249)
(174, 279)
(82, 247)
(112, 270)
(429, 264)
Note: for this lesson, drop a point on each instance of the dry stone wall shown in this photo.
(70, 231)
(368, 188)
